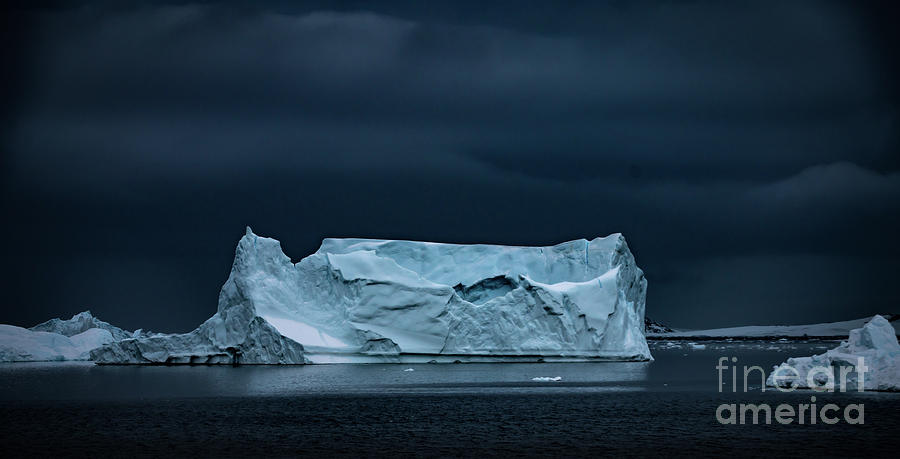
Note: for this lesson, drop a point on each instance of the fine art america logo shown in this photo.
(786, 378)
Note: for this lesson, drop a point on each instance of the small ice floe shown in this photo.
(547, 378)
(409, 369)
(696, 346)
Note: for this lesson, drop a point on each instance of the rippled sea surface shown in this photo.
(666, 407)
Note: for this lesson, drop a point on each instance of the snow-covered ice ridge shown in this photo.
(364, 300)
(875, 343)
(80, 323)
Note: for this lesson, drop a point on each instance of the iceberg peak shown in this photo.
(80, 323)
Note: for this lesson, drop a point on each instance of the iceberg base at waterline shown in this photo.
(364, 300)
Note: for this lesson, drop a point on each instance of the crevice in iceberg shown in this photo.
(486, 289)
(551, 311)
(380, 346)
(587, 248)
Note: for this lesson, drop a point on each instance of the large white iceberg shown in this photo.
(363, 300)
(874, 345)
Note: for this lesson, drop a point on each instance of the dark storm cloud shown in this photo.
(755, 137)
(686, 81)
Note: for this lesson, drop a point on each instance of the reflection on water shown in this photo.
(678, 367)
(82, 380)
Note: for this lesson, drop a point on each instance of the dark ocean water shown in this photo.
(663, 408)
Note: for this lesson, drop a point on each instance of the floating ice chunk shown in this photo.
(410, 369)
(547, 379)
(874, 345)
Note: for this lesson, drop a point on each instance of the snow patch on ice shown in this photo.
(305, 333)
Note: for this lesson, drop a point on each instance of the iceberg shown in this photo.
(19, 344)
(58, 339)
(366, 300)
(874, 345)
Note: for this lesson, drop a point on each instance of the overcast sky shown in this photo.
(749, 152)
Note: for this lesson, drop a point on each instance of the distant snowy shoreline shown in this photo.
(830, 331)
